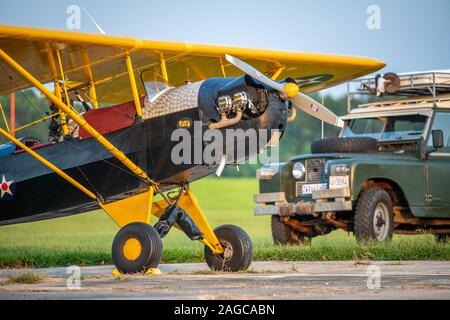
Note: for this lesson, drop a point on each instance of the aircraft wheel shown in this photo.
(238, 252)
(137, 247)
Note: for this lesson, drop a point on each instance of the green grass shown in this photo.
(86, 239)
(23, 278)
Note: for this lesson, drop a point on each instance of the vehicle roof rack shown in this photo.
(413, 84)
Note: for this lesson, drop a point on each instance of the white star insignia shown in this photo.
(5, 187)
(310, 81)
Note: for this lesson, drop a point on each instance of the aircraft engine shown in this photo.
(242, 94)
(223, 101)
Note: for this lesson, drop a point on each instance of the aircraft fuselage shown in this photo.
(38, 193)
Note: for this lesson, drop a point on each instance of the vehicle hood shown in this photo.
(359, 156)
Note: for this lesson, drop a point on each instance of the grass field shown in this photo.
(86, 239)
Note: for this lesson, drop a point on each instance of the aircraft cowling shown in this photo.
(265, 111)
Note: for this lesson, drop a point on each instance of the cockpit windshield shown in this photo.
(153, 87)
(408, 127)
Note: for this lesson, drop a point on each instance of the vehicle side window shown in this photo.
(442, 122)
(410, 125)
(365, 128)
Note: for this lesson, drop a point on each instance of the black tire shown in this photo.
(374, 204)
(345, 145)
(284, 235)
(442, 237)
(237, 243)
(150, 244)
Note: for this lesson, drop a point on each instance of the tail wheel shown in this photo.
(283, 234)
(374, 218)
(238, 250)
(137, 247)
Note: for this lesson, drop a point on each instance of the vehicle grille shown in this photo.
(315, 171)
(315, 174)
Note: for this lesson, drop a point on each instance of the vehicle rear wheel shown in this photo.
(283, 234)
(137, 247)
(238, 254)
(442, 237)
(374, 216)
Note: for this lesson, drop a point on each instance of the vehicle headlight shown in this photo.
(339, 170)
(298, 171)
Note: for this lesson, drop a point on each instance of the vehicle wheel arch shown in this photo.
(394, 189)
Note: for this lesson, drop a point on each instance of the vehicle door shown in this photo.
(437, 196)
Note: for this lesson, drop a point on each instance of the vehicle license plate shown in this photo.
(339, 182)
(309, 188)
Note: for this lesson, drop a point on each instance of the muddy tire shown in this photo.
(238, 247)
(136, 248)
(345, 145)
(374, 218)
(284, 235)
(442, 237)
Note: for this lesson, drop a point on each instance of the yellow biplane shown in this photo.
(116, 153)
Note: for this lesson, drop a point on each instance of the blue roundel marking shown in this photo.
(7, 187)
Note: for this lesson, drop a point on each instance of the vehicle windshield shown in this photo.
(409, 127)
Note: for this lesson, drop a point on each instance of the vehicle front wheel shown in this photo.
(137, 247)
(238, 250)
(374, 218)
(283, 234)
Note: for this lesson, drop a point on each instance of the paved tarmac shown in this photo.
(265, 280)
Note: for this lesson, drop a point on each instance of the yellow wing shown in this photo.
(100, 58)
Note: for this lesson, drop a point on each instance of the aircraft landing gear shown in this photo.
(238, 250)
(136, 248)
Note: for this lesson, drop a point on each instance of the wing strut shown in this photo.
(140, 205)
(2, 111)
(78, 119)
(48, 164)
(52, 64)
(134, 90)
(90, 76)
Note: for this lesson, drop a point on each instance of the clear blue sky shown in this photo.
(414, 35)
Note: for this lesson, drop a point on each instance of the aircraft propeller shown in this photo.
(290, 91)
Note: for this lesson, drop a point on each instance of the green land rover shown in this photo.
(388, 171)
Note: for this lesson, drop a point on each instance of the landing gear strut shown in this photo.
(137, 247)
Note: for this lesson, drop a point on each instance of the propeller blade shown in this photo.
(289, 91)
(254, 73)
(317, 110)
